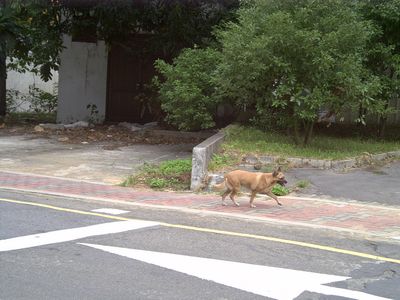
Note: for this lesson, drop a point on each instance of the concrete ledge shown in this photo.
(177, 134)
(201, 157)
(322, 163)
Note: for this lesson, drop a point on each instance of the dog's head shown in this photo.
(279, 177)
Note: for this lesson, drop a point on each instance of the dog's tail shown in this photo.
(219, 187)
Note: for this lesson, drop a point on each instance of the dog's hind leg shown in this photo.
(269, 193)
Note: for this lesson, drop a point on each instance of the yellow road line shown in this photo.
(216, 231)
(66, 209)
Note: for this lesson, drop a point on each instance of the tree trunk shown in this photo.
(296, 134)
(382, 127)
(309, 131)
(382, 122)
(3, 76)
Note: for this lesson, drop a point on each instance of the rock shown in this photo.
(150, 125)
(52, 126)
(257, 166)
(63, 139)
(250, 159)
(38, 128)
(79, 124)
(85, 143)
(132, 127)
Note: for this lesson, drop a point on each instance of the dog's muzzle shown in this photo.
(282, 181)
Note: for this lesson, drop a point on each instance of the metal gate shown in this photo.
(130, 69)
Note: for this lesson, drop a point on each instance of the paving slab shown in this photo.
(92, 162)
(367, 220)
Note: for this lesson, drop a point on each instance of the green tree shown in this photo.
(384, 54)
(295, 57)
(30, 35)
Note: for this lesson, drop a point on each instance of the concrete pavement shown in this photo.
(94, 161)
(379, 221)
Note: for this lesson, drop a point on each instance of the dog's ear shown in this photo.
(275, 173)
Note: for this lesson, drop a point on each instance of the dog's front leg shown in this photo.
(269, 193)
(253, 195)
(232, 196)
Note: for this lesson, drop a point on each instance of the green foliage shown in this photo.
(187, 93)
(41, 101)
(94, 117)
(383, 57)
(158, 183)
(19, 118)
(295, 57)
(280, 190)
(32, 35)
(173, 174)
(38, 100)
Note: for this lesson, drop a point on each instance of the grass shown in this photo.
(302, 184)
(172, 174)
(220, 160)
(245, 140)
(29, 118)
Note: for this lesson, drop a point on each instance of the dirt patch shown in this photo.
(111, 136)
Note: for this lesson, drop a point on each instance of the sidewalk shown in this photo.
(355, 217)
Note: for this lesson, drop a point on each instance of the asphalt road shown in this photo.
(374, 185)
(172, 255)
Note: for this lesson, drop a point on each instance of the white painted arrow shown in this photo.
(64, 235)
(277, 283)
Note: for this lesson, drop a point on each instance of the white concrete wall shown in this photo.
(82, 81)
(22, 81)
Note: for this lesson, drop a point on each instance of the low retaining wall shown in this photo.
(322, 163)
(201, 157)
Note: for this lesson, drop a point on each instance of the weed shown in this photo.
(157, 183)
(302, 184)
(221, 161)
(172, 174)
(29, 118)
(130, 181)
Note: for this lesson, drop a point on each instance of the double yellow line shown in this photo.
(216, 231)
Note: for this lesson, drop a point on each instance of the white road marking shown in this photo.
(111, 211)
(277, 283)
(71, 234)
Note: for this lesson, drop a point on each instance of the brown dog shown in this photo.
(255, 182)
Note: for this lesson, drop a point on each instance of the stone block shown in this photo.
(295, 162)
(201, 157)
(344, 164)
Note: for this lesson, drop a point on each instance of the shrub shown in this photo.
(187, 92)
(294, 57)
